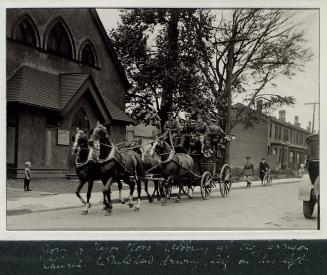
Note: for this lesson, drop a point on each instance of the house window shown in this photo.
(275, 151)
(297, 158)
(291, 136)
(25, 33)
(297, 138)
(280, 133)
(268, 150)
(270, 130)
(276, 132)
(291, 157)
(58, 41)
(88, 55)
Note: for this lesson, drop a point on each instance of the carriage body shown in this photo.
(208, 173)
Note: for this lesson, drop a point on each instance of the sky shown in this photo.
(304, 86)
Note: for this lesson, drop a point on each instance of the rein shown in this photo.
(89, 158)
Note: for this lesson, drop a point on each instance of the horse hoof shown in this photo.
(108, 213)
(105, 207)
(131, 205)
(177, 201)
(136, 208)
(150, 200)
(84, 212)
(190, 197)
(122, 201)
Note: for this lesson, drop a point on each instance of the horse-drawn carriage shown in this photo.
(108, 162)
(180, 169)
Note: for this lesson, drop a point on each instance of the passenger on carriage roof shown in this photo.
(172, 125)
(202, 131)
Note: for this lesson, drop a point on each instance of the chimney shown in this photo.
(259, 105)
(282, 115)
(309, 126)
(296, 121)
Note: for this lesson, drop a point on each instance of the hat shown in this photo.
(263, 159)
(169, 113)
(187, 114)
(247, 157)
(28, 163)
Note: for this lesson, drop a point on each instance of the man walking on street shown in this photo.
(248, 171)
(263, 168)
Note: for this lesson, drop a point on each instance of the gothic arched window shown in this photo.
(88, 55)
(59, 42)
(25, 33)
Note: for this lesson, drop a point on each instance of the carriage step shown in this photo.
(151, 178)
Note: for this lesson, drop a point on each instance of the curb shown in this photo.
(15, 212)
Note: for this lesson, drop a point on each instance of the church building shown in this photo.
(62, 73)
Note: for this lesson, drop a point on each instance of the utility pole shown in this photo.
(314, 113)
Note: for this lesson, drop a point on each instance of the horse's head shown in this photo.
(79, 140)
(158, 147)
(100, 135)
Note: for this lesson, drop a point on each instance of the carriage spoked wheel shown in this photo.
(225, 180)
(206, 185)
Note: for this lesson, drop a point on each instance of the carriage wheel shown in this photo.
(206, 185)
(225, 180)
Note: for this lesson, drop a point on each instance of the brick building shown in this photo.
(281, 143)
(62, 72)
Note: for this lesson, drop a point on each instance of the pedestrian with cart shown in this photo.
(248, 171)
(263, 168)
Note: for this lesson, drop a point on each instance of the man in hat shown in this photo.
(248, 171)
(186, 130)
(263, 168)
(215, 134)
(172, 125)
(202, 131)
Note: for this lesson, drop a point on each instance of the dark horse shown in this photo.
(87, 169)
(118, 165)
(174, 166)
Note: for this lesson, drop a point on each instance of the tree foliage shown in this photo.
(163, 73)
(263, 45)
(197, 59)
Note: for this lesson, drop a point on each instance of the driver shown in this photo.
(172, 125)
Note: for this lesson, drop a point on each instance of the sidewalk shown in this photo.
(35, 201)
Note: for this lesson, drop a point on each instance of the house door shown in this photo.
(81, 121)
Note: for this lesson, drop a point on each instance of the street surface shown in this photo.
(274, 207)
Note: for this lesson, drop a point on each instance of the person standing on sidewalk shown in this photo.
(248, 171)
(263, 168)
(27, 176)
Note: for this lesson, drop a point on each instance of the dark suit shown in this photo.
(263, 167)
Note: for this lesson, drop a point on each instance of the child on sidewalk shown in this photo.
(27, 177)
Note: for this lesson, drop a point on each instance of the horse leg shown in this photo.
(139, 189)
(131, 191)
(190, 188)
(88, 196)
(120, 187)
(78, 190)
(164, 188)
(150, 199)
(107, 192)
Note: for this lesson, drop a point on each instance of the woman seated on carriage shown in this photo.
(186, 132)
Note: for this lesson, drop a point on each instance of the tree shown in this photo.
(160, 66)
(243, 52)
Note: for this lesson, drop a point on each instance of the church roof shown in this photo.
(42, 89)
